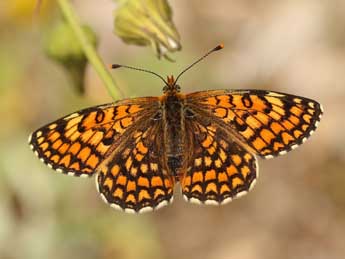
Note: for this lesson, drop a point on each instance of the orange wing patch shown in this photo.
(78, 143)
(268, 123)
(217, 178)
(135, 178)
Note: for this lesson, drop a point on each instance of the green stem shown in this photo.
(89, 50)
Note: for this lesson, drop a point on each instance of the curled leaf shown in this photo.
(147, 22)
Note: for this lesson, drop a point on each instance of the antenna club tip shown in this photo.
(219, 47)
(114, 66)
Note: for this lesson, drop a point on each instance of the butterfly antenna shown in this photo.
(219, 47)
(115, 66)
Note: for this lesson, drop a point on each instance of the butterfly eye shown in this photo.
(189, 113)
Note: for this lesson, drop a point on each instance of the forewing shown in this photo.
(268, 123)
(218, 169)
(135, 177)
(78, 143)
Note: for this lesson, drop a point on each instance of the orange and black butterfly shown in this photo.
(207, 141)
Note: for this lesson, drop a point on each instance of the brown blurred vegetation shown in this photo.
(297, 209)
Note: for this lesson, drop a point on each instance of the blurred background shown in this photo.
(296, 210)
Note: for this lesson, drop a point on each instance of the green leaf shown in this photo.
(147, 23)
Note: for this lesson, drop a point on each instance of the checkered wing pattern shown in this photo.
(268, 123)
(135, 177)
(78, 143)
(220, 134)
(219, 169)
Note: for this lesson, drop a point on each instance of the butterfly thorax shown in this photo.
(173, 109)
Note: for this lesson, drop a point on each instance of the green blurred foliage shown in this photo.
(21, 13)
(63, 47)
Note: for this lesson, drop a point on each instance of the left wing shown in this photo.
(78, 143)
(135, 178)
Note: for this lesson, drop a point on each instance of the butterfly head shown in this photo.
(171, 87)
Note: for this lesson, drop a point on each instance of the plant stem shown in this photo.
(89, 50)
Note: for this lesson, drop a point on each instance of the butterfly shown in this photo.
(206, 141)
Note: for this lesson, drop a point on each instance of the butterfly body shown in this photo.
(208, 141)
(174, 132)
